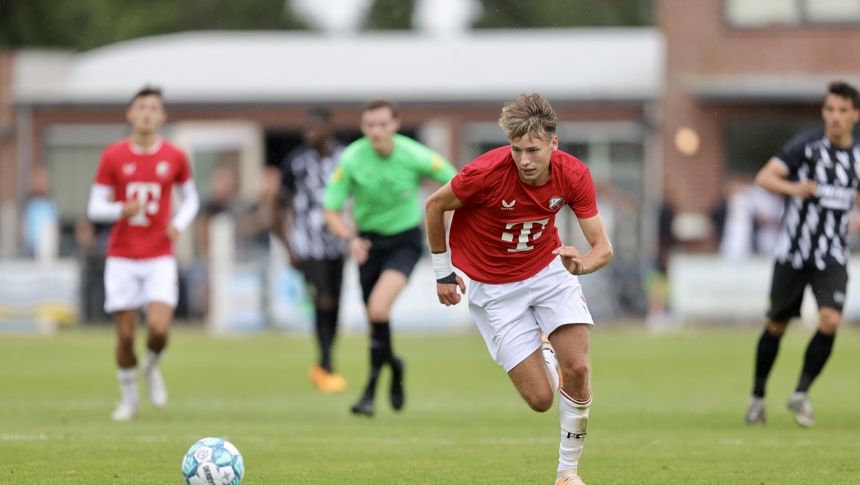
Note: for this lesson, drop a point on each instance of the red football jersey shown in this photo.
(148, 176)
(506, 231)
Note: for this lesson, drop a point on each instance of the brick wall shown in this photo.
(700, 43)
(8, 155)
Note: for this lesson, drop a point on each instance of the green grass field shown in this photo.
(667, 409)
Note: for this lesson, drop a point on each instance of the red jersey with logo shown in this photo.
(149, 177)
(506, 231)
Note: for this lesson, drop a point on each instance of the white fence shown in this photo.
(38, 295)
(253, 296)
(711, 289)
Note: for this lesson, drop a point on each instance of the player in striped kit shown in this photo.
(818, 172)
(299, 221)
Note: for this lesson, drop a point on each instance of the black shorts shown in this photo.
(788, 285)
(325, 276)
(399, 252)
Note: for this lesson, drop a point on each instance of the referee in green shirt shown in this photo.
(382, 172)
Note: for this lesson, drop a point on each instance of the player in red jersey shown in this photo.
(524, 281)
(133, 188)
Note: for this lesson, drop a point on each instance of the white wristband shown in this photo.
(441, 266)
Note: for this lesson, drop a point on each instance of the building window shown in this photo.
(769, 13)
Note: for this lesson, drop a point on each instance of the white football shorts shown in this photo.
(132, 283)
(511, 316)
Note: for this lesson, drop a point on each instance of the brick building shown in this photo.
(239, 98)
(714, 90)
(743, 77)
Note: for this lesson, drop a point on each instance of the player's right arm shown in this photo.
(101, 207)
(447, 281)
(773, 177)
(337, 190)
(282, 210)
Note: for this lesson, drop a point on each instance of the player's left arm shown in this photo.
(187, 209)
(597, 257)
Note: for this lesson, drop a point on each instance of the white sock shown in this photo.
(551, 362)
(573, 418)
(128, 385)
(151, 360)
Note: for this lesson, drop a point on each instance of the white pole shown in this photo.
(222, 253)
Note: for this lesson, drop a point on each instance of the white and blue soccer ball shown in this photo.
(213, 461)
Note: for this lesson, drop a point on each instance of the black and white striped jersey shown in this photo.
(814, 231)
(305, 173)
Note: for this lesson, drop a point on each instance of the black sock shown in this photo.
(326, 328)
(380, 344)
(768, 347)
(380, 352)
(817, 354)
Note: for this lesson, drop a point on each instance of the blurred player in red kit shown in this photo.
(133, 187)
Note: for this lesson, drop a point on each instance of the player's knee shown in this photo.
(125, 343)
(157, 335)
(327, 303)
(776, 328)
(829, 321)
(377, 312)
(157, 339)
(540, 401)
(576, 372)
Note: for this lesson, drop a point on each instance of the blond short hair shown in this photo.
(529, 114)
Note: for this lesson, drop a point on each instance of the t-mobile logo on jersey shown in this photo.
(526, 235)
(149, 196)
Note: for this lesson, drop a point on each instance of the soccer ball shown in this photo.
(213, 461)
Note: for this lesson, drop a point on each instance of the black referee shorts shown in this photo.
(399, 252)
(788, 285)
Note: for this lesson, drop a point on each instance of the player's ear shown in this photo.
(554, 142)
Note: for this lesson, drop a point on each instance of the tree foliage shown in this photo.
(85, 24)
(390, 15)
(564, 13)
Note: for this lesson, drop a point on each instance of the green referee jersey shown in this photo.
(385, 190)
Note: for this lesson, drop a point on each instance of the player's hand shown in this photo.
(447, 292)
(359, 249)
(571, 259)
(805, 189)
(130, 208)
(295, 262)
(172, 232)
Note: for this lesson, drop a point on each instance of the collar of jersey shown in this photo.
(139, 150)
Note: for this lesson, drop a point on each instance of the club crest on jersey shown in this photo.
(129, 168)
(556, 203)
(508, 206)
(162, 169)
